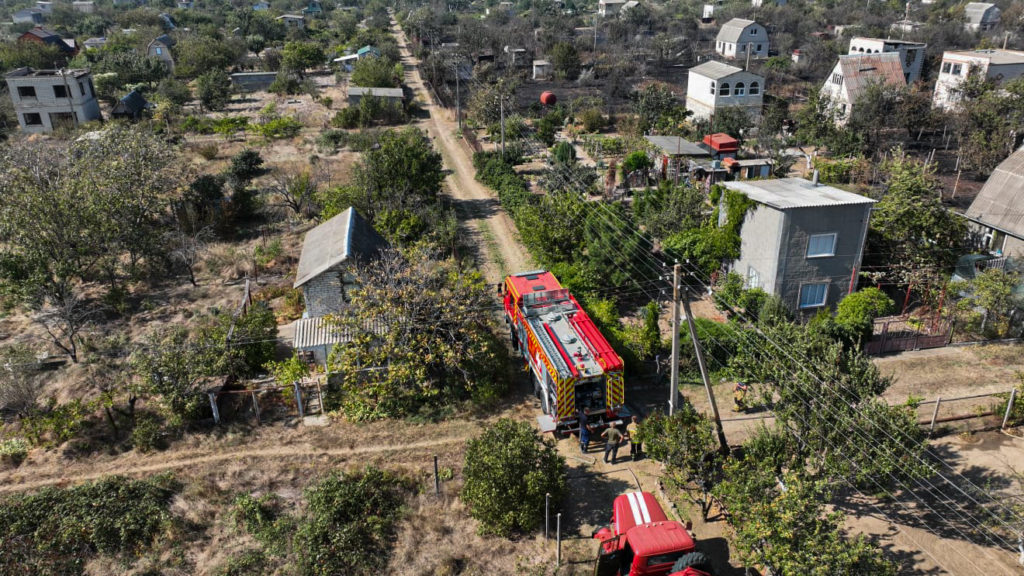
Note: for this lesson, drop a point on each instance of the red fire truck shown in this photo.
(574, 368)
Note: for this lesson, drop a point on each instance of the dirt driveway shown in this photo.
(491, 229)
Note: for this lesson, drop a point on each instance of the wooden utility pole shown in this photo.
(501, 103)
(724, 446)
(674, 385)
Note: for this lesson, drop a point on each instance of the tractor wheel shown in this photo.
(695, 560)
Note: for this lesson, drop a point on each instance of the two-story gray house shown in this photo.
(801, 241)
(329, 253)
(48, 99)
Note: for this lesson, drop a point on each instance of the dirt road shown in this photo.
(492, 230)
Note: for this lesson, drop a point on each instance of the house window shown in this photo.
(758, 47)
(159, 51)
(753, 278)
(957, 68)
(81, 86)
(712, 88)
(946, 66)
(813, 295)
(821, 246)
(753, 32)
(837, 78)
(723, 89)
(740, 90)
(32, 119)
(26, 92)
(842, 109)
(755, 88)
(60, 91)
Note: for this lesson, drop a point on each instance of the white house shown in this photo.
(713, 86)
(28, 16)
(911, 53)
(852, 76)
(85, 7)
(48, 99)
(95, 43)
(739, 37)
(999, 65)
(607, 8)
(160, 48)
(981, 16)
(760, 3)
(292, 21)
(45, 6)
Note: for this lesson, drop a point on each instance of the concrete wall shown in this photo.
(760, 243)
(796, 269)
(702, 102)
(946, 84)
(324, 295)
(253, 81)
(774, 244)
(82, 103)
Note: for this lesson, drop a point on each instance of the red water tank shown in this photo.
(548, 98)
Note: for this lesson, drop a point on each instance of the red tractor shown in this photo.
(642, 541)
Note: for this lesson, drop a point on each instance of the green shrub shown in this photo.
(245, 165)
(251, 563)
(262, 518)
(208, 151)
(56, 531)
(14, 450)
(509, 468)
(350, 523)
(332, 140)
(148, 432)
(593, 120)
(856, 313)
(279, 128)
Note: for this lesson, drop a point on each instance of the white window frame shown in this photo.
(831, 253)
(824, 295)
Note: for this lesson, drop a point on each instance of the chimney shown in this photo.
(815, 177)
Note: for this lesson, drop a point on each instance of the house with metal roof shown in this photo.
(389, 95)
(41, 35)
(29, 16)
(981, 16)
(740, 38)
(131, 107)
(853, 74)
(95, 43)
(998, 209)
(713, 86)
(160, 48)
(329, 253)
(996, 65)
(911, 53)
(292, 21)
(607, 8)
(801, 241)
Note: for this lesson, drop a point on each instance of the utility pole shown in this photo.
(596, 21)
(458, 100)
(674, 382)
(724, 446)
(501, 101)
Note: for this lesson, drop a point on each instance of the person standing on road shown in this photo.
(633, 435)
(584, 432)
(612, 438)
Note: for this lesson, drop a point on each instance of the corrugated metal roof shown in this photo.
(715, 70)
(383, 92)
(1000, 204)
(862, 70)
(345, 236)
(676, 146)
(316, 332)
(788, 193)
(976, 12)
(994, 56)
(732, 30)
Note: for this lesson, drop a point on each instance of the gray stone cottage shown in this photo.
(801, 241)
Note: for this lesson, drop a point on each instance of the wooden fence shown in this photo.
(899, 333)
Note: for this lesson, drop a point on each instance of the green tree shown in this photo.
(996, 292)
(174, 91)
(437, 345)
(669, 209)
(564, 153)
(566, 60)
(652, 102)
(815, 121)
(856, 313)
(685, 443)
(301, 56)
(988, 121)
(214, 89)
(913, 238)
(376, 72)
(509, 469)
(198, 54)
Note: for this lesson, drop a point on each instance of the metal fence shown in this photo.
(268, 403)
(899, 333)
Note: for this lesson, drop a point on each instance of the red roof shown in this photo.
(722, 142)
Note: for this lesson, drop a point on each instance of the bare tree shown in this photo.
(298, 190)
(19, 381)
(64, 315)
(187, 244)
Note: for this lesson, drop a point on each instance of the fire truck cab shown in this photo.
(572, 365)
(642, 541)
